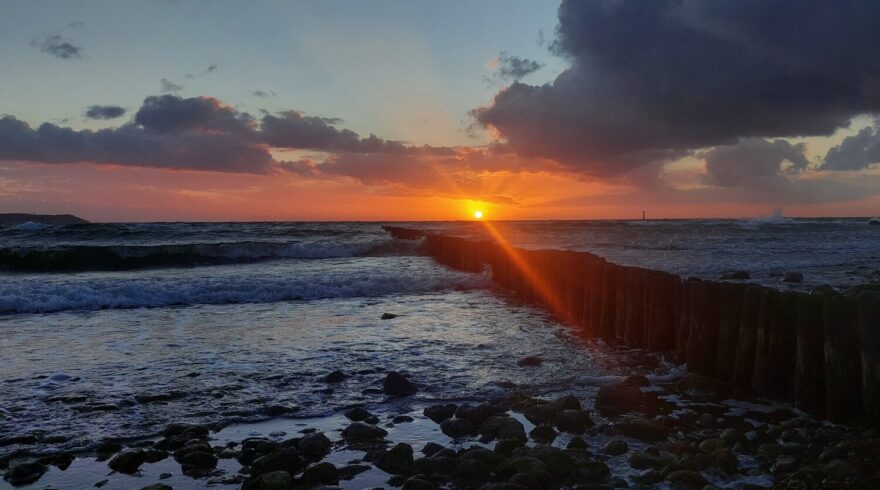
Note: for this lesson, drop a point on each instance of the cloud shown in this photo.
(169, 86)
(855, 152)
(654, 81)
(170, 113)
(58, 46)
(751, 159)
(203, 133)
(131, 145)
(263, 93)
(513, 67)
(104, 111)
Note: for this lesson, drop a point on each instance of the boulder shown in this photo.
(643, 429)
(615, 447)
(334, 377)
(545, 434)
(457, 428)
(439, 413)
(128, 461)
(615, 400)
(319, 474)
(363, 432)
(276, 480)
(388, 316)
(24, 473)
(314, 446)
(572, 421)
(398, 460)
(396, 384)
(529, 361)
(503, 427)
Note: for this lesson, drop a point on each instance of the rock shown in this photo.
(634, 380)
(158, 486)
(643, 460)
(736, 276)
(431, 448)
(784, 465)
(362, 432)
(396, 384)
(350, 471)
(107, 449)
(533, 480)
(402, 419)
(439, 413)
(615, 447)
(503, 427)
(276, 480)
(506, 447)
(388, 316)
(577, 442)
(24, 473)
(314, 446)
(793, 277)
(572, 421)
(457, 428)
(360, 414)
(319, 474)
(397, 460)
(686, 480)
(840, 470)
(334, 377)
(101, 483)
(416, 483)
(197, 461)
(706, 421)
(591, 470)
(540, 414)
(643, 429)
(472, 471)
(476, 414)
(710, 445)
(567, 402)
(544, 434)
(286, 459)
(128, 461)
(434, 465)
(18, 439)
(726, 460)
(529, 361)
(615, 400)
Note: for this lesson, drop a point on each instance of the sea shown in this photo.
(112, 331)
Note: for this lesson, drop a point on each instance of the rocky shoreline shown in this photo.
(681, 433)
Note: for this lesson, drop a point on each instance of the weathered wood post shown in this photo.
(703, 339)
(749, 318)
(843, 373)
(683, 329)
(730, 308)
(609, 301)
(761, 384)
(869, 328)
(809, 366)
(635, 316)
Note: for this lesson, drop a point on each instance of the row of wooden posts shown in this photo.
(819, 350)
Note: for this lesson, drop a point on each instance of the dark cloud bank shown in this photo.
(201, 133)
(653, 80)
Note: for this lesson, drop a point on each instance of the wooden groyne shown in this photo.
(819, 350)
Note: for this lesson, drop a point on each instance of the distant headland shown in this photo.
(11, 219)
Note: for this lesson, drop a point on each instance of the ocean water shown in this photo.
(115, 330)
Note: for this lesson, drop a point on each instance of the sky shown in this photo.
(350, 110)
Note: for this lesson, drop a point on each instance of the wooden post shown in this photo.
(730, 297)
(749, 318)
(703, 339)
(843, 374)
(869, 328)
(809, 367)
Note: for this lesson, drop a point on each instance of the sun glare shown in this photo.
(478, 214)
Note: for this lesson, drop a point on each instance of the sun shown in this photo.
(478, 214)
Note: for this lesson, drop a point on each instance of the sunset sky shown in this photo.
(380, 110)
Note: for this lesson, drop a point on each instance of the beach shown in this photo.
(258, 336)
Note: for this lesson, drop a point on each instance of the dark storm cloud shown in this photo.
(751, 159)
(855, 152)
(130, 145)
(655, 80)
(58, 46)
(513, 67)
(169, 86)
(203, 133)
(104, 111)
(169, 113)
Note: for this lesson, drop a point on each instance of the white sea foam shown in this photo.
(230, 284)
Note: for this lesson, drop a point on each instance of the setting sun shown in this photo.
(478, 215)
